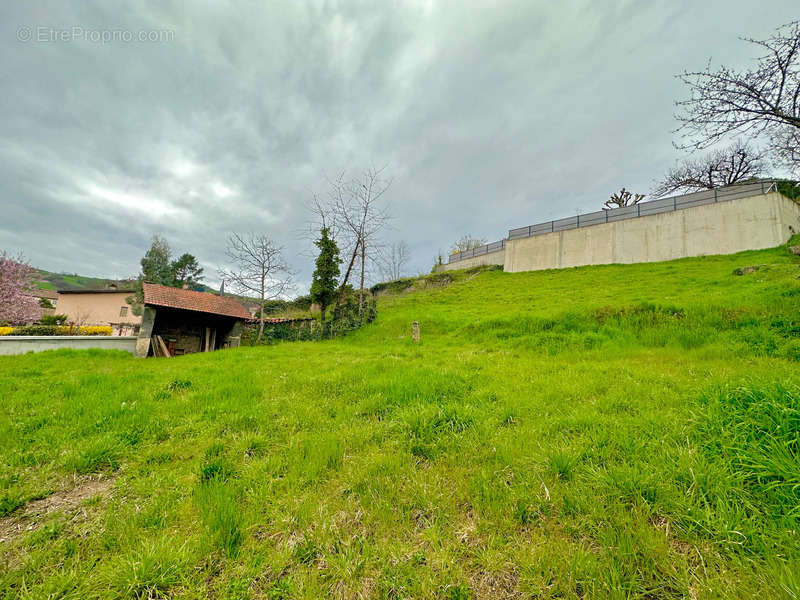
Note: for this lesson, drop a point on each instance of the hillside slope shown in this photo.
(48, 280)
(615, 431)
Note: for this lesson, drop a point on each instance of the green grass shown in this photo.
(601, 432)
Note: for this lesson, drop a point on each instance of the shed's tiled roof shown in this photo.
(161, 295)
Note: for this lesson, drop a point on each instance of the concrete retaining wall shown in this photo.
(20, 344)
(750, 223)
(492, 258)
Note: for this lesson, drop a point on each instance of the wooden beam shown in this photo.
(163, 346)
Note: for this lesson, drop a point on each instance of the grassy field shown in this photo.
(600, 432)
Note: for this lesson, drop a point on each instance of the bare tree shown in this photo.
(621, 199)
(732, 165)
(467, 242)
(393, 260)
(786, 145)
(81, 317)
(259, 267)
(324, 216)
(762, 100)
(355, 213)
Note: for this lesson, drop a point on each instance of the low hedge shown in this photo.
(55, 330)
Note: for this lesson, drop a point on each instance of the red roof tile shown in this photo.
(161, 295)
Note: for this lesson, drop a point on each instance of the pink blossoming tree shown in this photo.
(17, 305)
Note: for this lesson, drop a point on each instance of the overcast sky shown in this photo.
(487, 116)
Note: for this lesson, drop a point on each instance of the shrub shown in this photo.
(275, 332)
(53, 320)
(394, 287)
(37, 330)
(56, 330)
(301, 302)
(95, 330)
(274, 306)
(346, 317)
(790, 189)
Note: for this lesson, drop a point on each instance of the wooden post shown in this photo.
(415, 331)
(208, 335)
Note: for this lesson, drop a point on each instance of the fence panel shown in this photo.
(626, 212)
(594, 218)
(656, 207)
(562, 224)
(479, 250)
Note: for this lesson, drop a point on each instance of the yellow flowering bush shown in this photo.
(95, 330)
(56, 330)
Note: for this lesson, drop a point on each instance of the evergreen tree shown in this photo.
(326, 274)
(186, 272)
(157, 263)
(158, 267)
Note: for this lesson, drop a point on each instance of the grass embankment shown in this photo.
(616, 431)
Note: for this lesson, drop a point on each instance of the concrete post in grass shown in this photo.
(415, 331)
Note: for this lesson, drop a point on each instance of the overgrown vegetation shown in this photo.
(347, 317)
(598, 432)
(432, 280)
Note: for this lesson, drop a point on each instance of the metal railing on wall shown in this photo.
(642, 209)
(485, 249)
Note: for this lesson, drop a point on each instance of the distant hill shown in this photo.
(72, 281)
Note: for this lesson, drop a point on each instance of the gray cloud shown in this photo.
(488, 116)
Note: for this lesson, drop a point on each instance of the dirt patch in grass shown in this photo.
(496, 584)
(30, 516)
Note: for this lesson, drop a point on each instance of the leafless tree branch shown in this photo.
(467, 242)
(621, 199)
(732, 165)
(393, 260)
(762, 100)
(259, 268)
(355, 212)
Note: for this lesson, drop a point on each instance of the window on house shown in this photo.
(123, 312)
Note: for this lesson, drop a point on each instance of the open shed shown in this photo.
(187, 321)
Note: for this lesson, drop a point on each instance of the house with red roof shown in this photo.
(177, 321)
